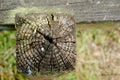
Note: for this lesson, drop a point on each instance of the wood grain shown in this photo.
(45, 43)
(84, 10)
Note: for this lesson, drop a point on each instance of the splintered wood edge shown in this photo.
(11, 13)
(25, 15)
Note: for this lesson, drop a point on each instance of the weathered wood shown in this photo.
(45, 43)
(84, 10)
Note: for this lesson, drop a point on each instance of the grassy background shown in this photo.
(98, 54)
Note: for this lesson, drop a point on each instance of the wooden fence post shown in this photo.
(45, 43)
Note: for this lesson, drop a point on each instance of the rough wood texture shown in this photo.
(45, 42)
(85, 10)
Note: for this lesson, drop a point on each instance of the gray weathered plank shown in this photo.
(84, 10)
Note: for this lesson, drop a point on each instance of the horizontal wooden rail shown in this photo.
(83, 10)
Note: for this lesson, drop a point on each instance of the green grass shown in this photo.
(7, 57)
(94, 54)
(7, 50)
